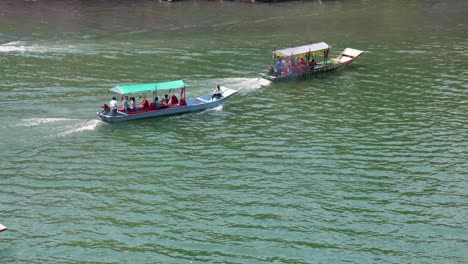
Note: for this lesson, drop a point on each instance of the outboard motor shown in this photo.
(271, 71)
(105, 107)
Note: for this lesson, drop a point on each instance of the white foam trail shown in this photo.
(39, 121)
(54, 124)
(22, 46)
(244, 84)
(12, 47)
(218, 108)
(268, 19)
(86, 126)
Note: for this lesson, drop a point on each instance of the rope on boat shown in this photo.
(91, 118)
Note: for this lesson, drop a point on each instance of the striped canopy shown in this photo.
(310, 49)
(147, 87)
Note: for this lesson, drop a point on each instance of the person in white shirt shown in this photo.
(131, 104)
(217, 93)
(113, 106)
(157, 103)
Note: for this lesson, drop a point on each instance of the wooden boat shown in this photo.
(3, 228)
(302, 60)
(153, 110)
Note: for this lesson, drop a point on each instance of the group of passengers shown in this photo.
(129, 103)
(291, 66)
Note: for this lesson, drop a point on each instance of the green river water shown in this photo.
(366, 164)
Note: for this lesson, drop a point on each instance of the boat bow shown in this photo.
(349, 54)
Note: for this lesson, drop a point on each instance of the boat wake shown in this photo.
(11, 48)
(40, 121)
(28, 47)
(57, 125)
(218, 108)
(21, 46)
(82, 126)
(244, 84)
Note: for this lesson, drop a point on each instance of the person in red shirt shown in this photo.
(302, 61)
(173, 100)
(144, 104)
(312, 64)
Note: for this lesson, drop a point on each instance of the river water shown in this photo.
(367, 164)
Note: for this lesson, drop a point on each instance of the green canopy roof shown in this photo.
(147, 87)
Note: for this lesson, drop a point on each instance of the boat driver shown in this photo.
(217, 93)
(279, 67)
(113, 106)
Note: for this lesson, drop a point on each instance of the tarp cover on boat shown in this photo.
(147, 87)
(302, 50)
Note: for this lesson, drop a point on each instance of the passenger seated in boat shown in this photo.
(312, 64)
(217, 93)
(182, 102)
(302, 65)
(160, 104)
(131, 104)
(293, 69)
(165, 101)
(289, 66)
(152, 106)
(144, 104)
(302, 62)
(298, 67)
(173, 100)
(156, 102)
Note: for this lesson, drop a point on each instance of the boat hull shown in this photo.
(193, 105)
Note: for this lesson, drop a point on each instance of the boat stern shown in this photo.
(268, 77)
(104, 116)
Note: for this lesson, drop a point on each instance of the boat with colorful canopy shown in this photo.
(167, 106)
(307, 59)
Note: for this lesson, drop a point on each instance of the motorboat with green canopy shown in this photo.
(170, 104)
(305, 60)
